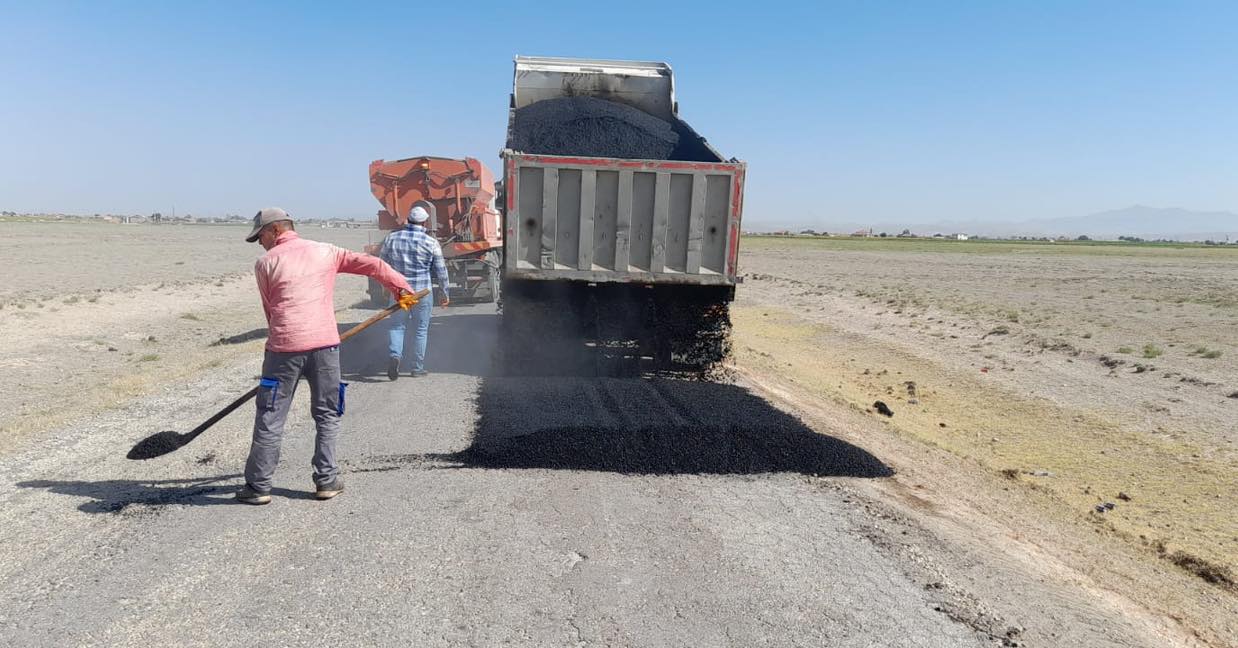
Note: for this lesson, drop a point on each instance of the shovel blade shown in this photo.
(158, 444)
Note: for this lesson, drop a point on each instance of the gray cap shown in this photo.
(265, 217)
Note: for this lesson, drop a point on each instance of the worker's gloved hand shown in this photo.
(406, 300)
(444, 301)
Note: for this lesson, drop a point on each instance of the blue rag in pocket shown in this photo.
(268, 391)
(340, 408)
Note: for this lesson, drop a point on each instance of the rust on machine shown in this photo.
(459, 194)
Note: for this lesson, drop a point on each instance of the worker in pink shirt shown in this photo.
(296, 279)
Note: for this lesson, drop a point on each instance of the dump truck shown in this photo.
(611, 259)
(459, 194)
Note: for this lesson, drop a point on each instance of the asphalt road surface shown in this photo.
(478, 512)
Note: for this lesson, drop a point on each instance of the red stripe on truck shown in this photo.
(509, 189)
(630, 164)
(737, 209)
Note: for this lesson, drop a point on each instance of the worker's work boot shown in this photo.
(419, 373)
(393, 368)
(248, 495)
(327, 491)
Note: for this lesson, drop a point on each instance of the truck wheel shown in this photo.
(492, 285)
(693, 328)
(540, 330)
(378, 295)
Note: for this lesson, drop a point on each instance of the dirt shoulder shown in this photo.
(996, 435)
(1000, 556)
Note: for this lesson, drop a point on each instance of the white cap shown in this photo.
(419, 215)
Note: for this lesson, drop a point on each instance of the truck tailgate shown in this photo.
(612, 220)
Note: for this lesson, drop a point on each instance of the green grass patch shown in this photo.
(1205, 352)
(994, 246)
(1214, 299)
(191, 317)
(1125, 349)
(1152, 351)
(150, 357)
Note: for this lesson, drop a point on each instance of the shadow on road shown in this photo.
(633, 425)
(117, 495)
(240, 338)
(461, 341)
(648, 426)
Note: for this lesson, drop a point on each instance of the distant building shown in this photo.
(961, 237)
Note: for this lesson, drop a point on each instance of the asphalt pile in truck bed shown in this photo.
(591, 127)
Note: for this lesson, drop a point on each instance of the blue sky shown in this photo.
(845, 112)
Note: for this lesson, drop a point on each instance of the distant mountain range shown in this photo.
(1148, 223)
(1141, 221)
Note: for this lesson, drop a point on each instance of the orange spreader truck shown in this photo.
(459, 194)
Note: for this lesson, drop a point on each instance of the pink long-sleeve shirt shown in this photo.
(296, 279)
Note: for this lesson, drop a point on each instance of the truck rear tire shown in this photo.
(692, 327)
(541, 332)
(615, 330)
(492, 285)
(377, 295)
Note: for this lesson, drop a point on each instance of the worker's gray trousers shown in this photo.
(280, 373)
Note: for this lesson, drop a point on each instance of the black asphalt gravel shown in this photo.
(157, 444)
(649, 426)
(557, 328)
(591, 127)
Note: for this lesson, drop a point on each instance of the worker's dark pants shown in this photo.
(280, 373)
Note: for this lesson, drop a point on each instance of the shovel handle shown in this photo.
(192, 434)
(231, 407)
(420, 294)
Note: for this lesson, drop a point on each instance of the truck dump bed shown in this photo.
(604, 219)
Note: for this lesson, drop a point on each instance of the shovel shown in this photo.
(161, 443)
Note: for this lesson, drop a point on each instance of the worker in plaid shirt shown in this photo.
(414, 253)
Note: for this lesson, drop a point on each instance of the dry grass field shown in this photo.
(1101, 379)
(43, 261)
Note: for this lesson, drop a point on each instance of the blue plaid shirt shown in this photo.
(416, 255)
